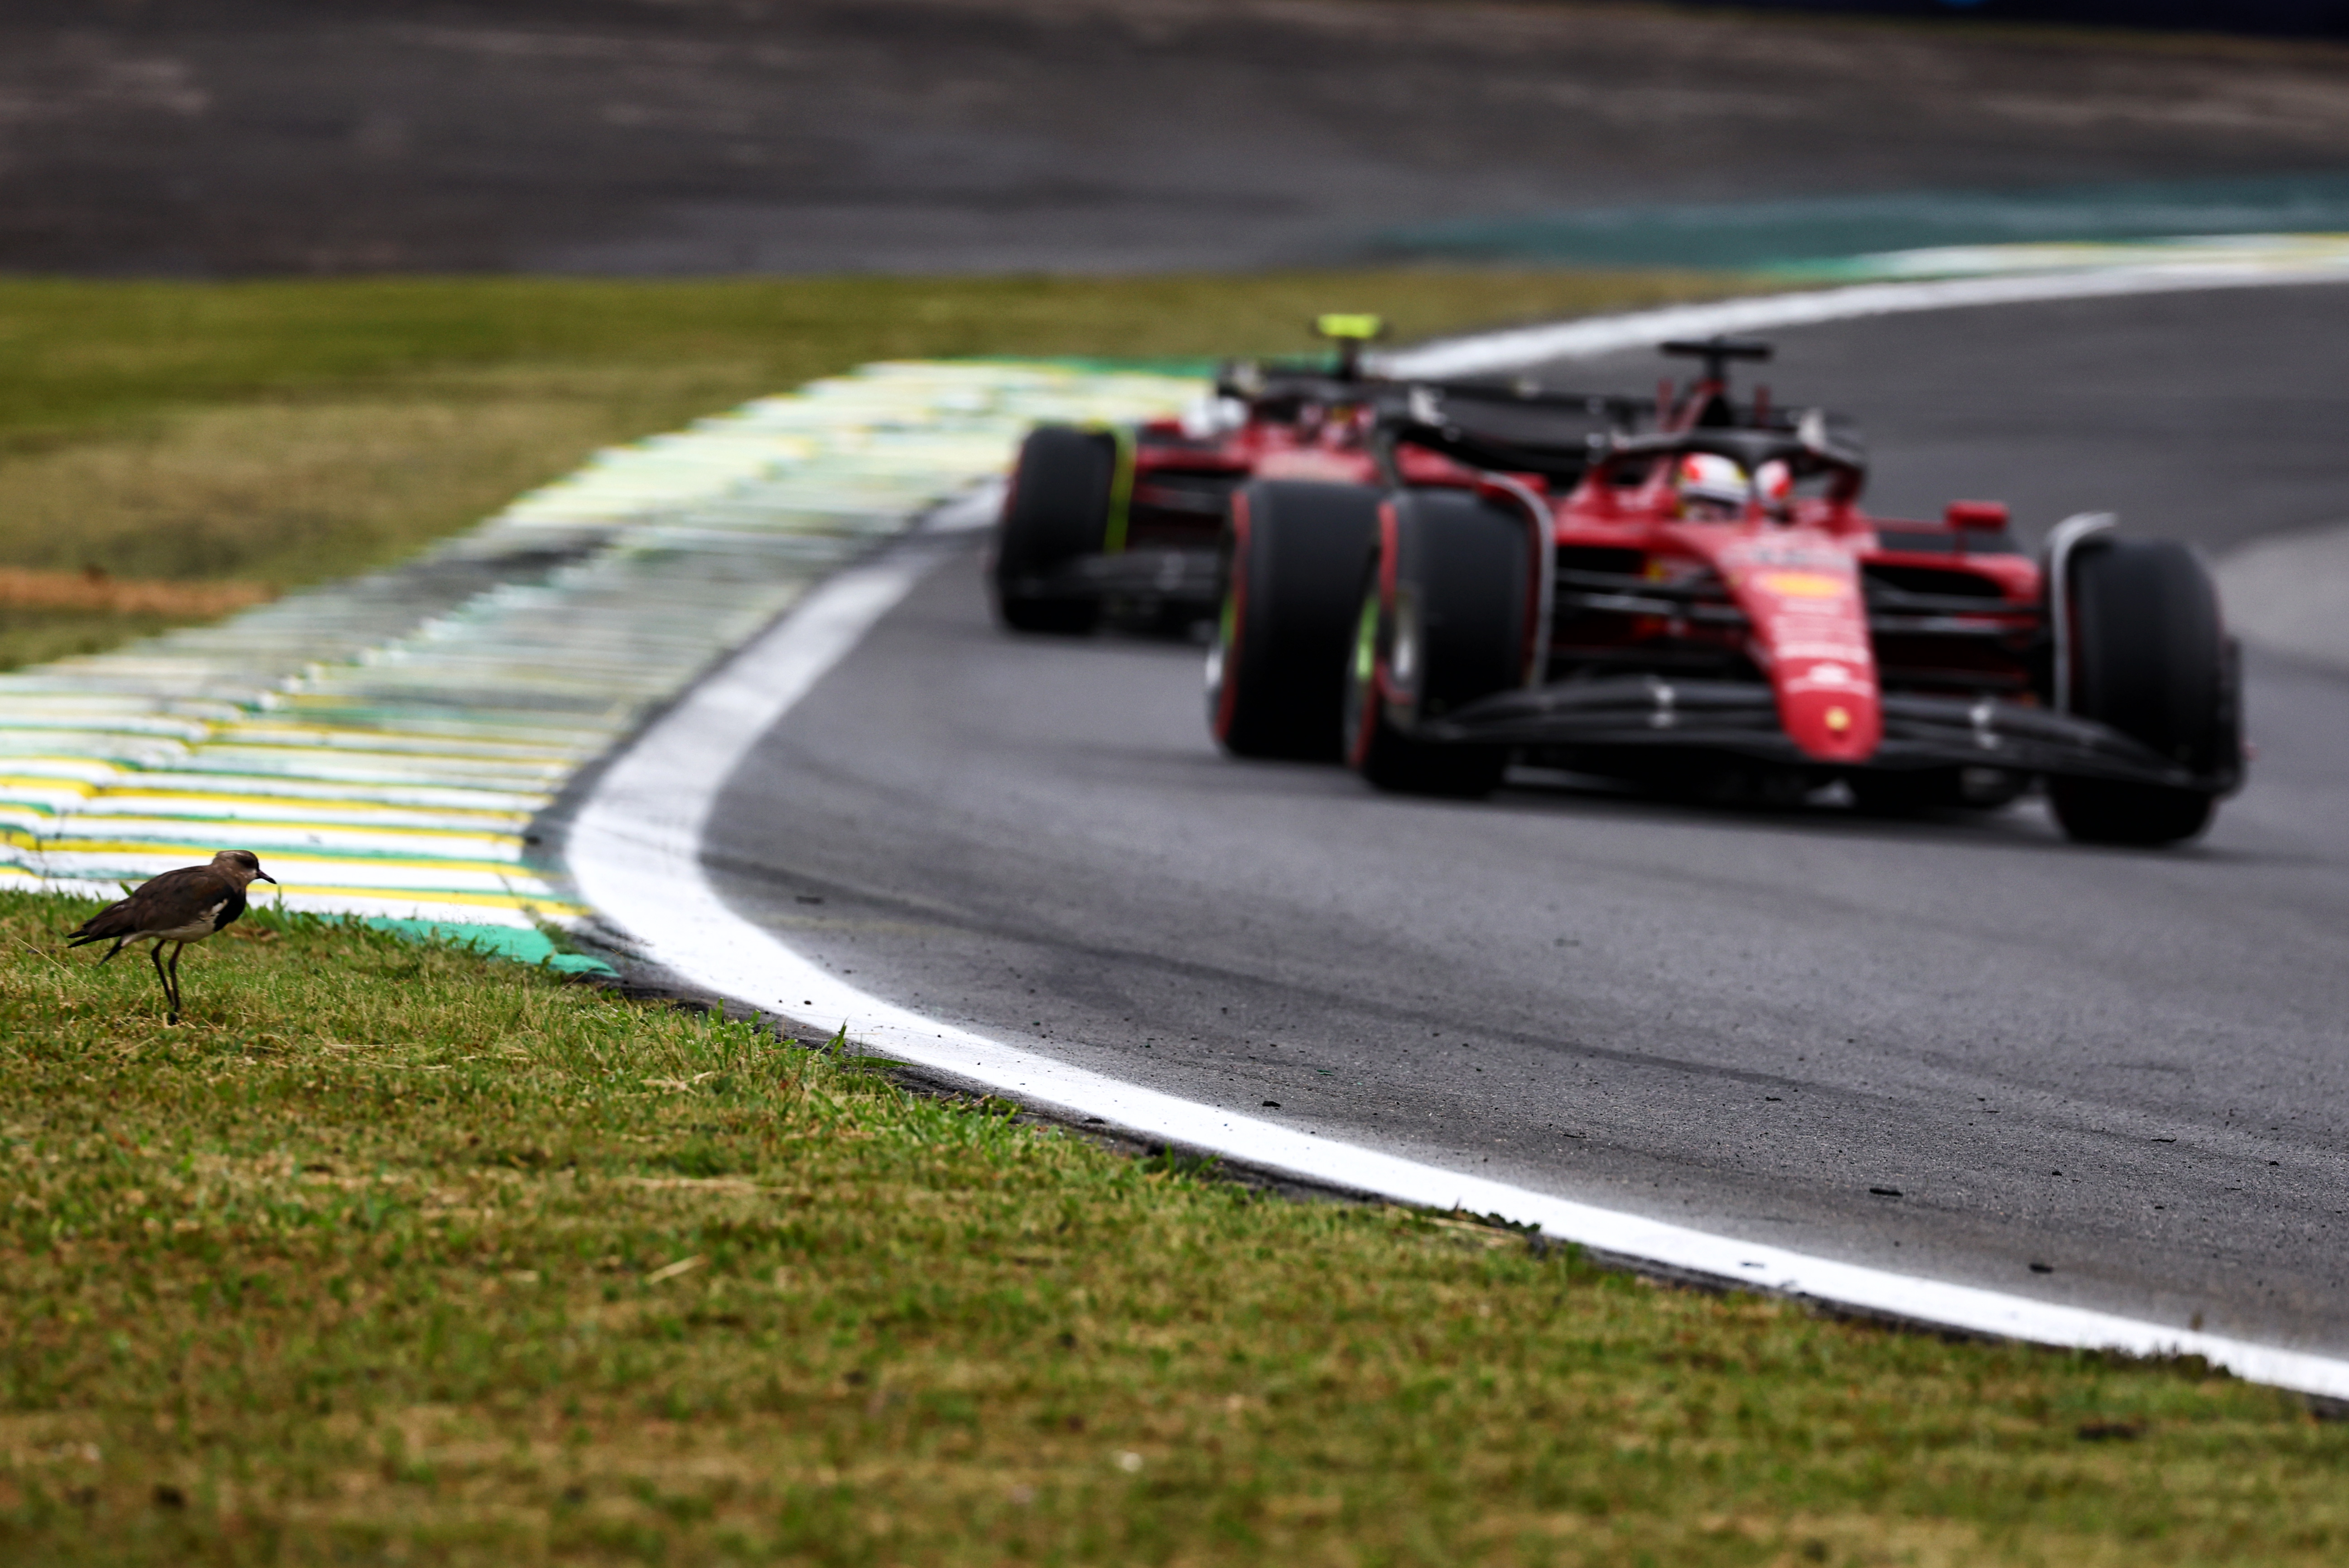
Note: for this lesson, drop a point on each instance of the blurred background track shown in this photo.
(696, 136)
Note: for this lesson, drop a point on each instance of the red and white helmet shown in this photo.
(1774, 484)
(1708, 478)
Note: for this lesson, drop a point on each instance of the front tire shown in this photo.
(1277, 663)
(1443, 620)
(1919, 790)
(1056, 513)
(2149, 657)
(2097, 811)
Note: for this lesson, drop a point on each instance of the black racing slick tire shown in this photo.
(1442, 619)
(2149, 657)
(1056, 513)
(1294, 554)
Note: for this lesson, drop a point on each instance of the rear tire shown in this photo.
(1057, 511)
(2151, 659)
(1278, 664)
(1445, 627)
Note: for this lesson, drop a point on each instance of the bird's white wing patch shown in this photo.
(196, 927)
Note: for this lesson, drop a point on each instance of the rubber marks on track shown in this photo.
(383, 743)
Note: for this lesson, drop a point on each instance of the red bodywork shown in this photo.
(1178, 482)
(1829, 606)
(1797, 591)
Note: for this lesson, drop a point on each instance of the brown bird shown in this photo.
(178, 907)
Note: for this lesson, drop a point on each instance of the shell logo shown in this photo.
(1802, 585)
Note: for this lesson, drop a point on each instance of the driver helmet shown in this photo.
(1773, 485)
(1710, 485)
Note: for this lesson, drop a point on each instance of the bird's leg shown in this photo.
(170, 998)
(177, 949)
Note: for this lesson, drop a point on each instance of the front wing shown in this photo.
(1649, 712)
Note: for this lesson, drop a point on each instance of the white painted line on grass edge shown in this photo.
(635, 851)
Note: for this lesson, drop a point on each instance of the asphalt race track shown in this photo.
(245, 137)
(2115, 1079)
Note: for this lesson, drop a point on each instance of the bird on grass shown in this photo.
(178, 907)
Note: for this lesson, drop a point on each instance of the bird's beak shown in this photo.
(267, 877)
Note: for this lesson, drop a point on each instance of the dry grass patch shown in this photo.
(91, 589)
(393, 1254)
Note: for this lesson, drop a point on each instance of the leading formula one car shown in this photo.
(1698, 602)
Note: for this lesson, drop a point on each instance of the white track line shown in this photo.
(635, 850)
(1491, 351)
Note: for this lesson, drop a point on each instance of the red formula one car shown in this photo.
(1696, 601)
(1129, 520)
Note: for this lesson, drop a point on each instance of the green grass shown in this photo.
(394, 1254)
(76, 356)
(284, 432)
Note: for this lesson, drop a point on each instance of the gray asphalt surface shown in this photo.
(2212, 416)
(2111, 1078)
(710, 136)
